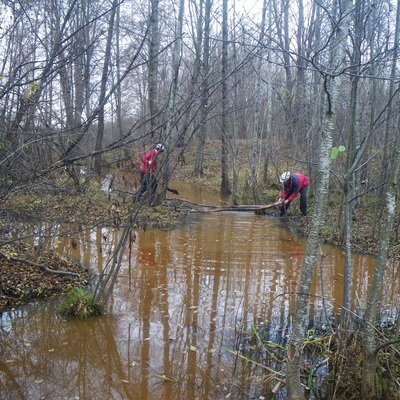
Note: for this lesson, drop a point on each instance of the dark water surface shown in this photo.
(185, 298)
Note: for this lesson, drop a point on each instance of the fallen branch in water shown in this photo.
(207, 208)
(47, 269)
(245, 207)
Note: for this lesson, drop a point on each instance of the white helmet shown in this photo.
(284, 177)
(160, 147)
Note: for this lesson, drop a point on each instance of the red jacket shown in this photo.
(149, 161)
(292, 186)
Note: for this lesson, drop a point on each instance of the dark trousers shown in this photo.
(303, 202)
(147, 181)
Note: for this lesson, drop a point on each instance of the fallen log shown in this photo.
(255, 208)
(203, 208)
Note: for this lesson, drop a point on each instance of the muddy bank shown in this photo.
(28, 276)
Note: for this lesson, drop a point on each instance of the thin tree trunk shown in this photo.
(172, 134)
(283, 35)
(257, 109)
(389, 110)
(205, 91)
(316, 99)
(103, 87)
(300, 315)
(119, 91)
(353, 147)
(225, 186)
(268, 116)
(374, 296)
(154, 46)
(196, 70)
(235, 117)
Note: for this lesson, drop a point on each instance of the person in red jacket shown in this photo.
(293, 184)
(147, 170)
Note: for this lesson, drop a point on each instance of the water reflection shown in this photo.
(183, 299)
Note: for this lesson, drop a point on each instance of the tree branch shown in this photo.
(47, 269)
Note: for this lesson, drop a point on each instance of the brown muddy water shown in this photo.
(185, 301)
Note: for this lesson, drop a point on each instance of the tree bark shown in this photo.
(374, 296)
(103, 87)
(172, 134)
(300, 314)
(225, 186)
(205, 91)
(350, 182)
(257, 108)
(153, 65)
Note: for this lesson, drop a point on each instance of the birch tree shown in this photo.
(331, 90)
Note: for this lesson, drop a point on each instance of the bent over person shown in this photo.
(147, 170)
(293, 184)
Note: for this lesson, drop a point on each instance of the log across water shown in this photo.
(203, 208)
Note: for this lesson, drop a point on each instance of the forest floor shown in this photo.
(22, 281)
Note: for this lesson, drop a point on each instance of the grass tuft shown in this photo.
(79, 303)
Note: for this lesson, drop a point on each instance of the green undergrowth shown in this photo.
(79, 303)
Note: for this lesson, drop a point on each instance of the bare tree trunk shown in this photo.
(389, 111)
(103, 87)
(300, 316)
(154, 46)
(196, 70)
(281, 17)
(235, 117)
(316, 99)
(268, 116)
(374, 296)
(257, 109)
(225, 186)
(172, 134)
(205, 91)
(350, 183)
(118, 64)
